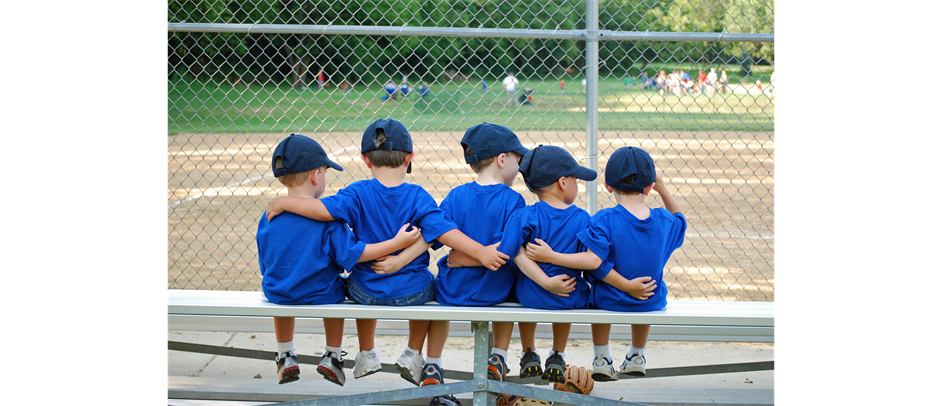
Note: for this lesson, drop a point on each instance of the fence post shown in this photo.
(592, 101)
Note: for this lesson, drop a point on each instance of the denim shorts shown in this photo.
(357, 294)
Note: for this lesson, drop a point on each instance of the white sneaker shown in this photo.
(366, 364)
(602, 369)
(410, 366)
(633, 365)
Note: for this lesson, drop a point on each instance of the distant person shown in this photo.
(320, 79)
(661, 82)
(645, 80)
(701, 78)
(711, 81)
(724, 81)
(510, 84)
(759, 85)
(423, 90)
(391, 90)
(583, 84)
(562, 85)
(344, 87)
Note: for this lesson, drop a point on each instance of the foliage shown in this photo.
(266, 58)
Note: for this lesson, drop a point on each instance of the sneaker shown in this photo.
(602, 369)
(332, 368)
(366, 365)
(410, 365)
(555, 370)
(446, 400)
(633, 365)
(288, 369)
(530, 365)
(497, 368)
(432, 375)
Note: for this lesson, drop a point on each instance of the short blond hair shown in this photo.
(296, 179)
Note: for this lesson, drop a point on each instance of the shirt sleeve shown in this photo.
(516, 232)
(344, 206)
(431, 219)
(342, 245)
(595, 238)
(678, 230)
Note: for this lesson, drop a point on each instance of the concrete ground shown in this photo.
(185, 368)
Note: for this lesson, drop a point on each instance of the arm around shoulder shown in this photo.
(302, 206)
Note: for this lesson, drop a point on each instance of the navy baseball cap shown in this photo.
(397, 138)
(299, 154)
(544, 165)
(628, 161)
(489, 140)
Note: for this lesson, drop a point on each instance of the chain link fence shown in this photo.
(688, 81)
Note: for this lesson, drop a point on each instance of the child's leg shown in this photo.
(497, 362)
(527, 336)
(333, 329)
(331, 365)
(639, 335)
(602, 369)
(286, 361)
(367, 361)
(418, 330)
(635, 361)
(437, 335)
(600, 334)
(560, 336)
(284, 329)
(366, 330)
(502, 333)
(432, 373)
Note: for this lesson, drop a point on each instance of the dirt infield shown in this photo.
(219, 185)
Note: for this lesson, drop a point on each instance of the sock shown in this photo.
(413, 351)
(603, 350)
(286, 347)
(373, 351)
(635, 350)
(524, 351)
(561, 354)
(335, 350)
(498, 351)
(436, 361)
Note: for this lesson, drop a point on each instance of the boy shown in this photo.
(635, 242)
(374, 208)
(551, 173)
(301, 259)
(480, 209)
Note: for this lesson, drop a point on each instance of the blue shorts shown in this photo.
(357, 294)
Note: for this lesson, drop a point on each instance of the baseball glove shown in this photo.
(578, 380)
(514, 400)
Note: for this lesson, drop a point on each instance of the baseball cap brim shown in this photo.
(585, 173)
(334, 165)
(522, 150)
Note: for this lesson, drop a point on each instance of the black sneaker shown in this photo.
(555, 370)
(530, 365)
(446, 400)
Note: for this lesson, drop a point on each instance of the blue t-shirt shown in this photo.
(480, 212)
(301, 259)
(375, 213)
(635, 248)
(558, 228)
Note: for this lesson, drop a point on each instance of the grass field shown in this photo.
(225, 107)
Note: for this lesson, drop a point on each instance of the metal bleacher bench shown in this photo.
(680, 321)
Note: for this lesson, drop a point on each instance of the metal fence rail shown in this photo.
(244, 74)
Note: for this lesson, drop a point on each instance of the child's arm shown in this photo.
(458, 259)
(310, 208)
(639, 288)
(402, 240)
(587, 260)
(392, 263)
(559, 285)
(669, 203)
(488, 256)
